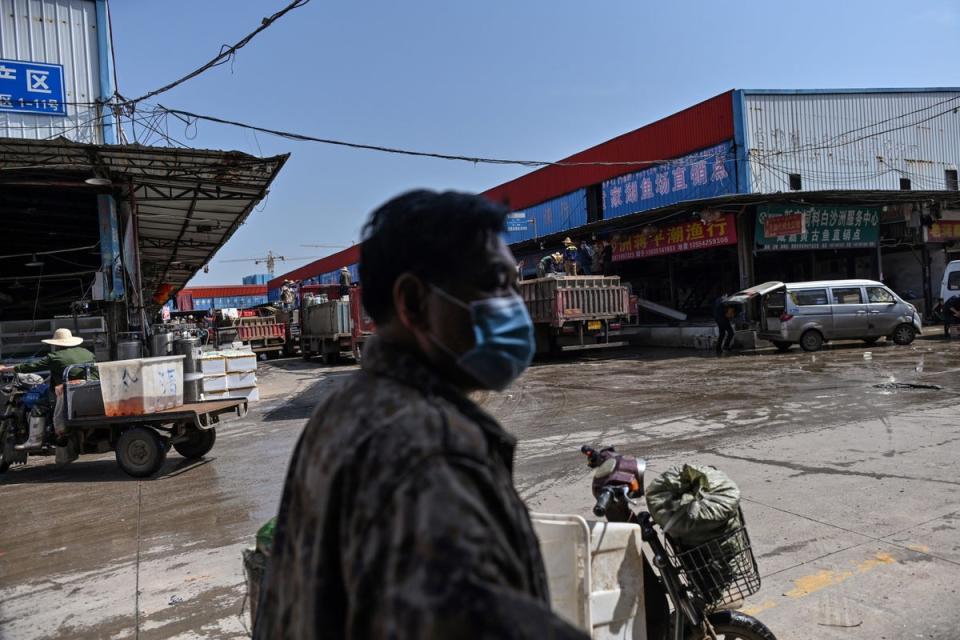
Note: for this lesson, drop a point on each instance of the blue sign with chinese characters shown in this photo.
(32, 87)
(553, 216)
(704, 174)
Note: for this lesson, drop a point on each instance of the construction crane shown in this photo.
(270, 260)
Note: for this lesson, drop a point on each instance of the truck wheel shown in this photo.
(140, 452)
(904, 334)
(197, 444)
(331, 358)
(782, 347)
(811, 340)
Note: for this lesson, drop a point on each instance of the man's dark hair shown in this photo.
(436, 236)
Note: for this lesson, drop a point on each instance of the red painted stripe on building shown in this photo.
(345, 258)
(225, 291)
(702, 125)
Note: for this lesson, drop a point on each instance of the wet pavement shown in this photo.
(852, 490)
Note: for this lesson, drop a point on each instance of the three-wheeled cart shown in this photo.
(141, 442)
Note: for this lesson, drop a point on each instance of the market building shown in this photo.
(756, 185)
(97, 234)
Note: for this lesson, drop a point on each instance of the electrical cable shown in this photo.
(226, 53)
(300, 137)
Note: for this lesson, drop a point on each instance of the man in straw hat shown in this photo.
(569, 257)
(65, 352)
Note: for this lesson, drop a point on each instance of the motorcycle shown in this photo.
(21, 397)
(686, 595)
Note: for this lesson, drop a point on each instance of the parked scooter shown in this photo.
(698, 581)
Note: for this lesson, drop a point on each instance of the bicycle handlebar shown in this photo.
(603, 501)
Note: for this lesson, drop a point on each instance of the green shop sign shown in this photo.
(786, 228)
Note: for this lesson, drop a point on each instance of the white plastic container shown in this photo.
(241, 379)
(214, 383)
(241, 361)
(143, 385)
(213, 364)
(250, 393)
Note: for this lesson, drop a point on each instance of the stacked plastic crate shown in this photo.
(229, 374)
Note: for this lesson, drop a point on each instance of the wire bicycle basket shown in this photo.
(719, 572)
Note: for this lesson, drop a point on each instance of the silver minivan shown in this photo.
(811, 313)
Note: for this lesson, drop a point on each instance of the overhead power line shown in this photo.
(424, 154)
(226, 52)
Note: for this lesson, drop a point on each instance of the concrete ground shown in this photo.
(851, 490)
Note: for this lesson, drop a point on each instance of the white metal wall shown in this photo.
(56, 32)
(851, 140)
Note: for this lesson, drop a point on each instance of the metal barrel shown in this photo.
(189, 348)
(129, 350)
(161, 344)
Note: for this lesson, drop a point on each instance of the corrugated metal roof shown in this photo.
(858, 139)
(189, 201)
(702, 125)
(345, 258)
(56, 32)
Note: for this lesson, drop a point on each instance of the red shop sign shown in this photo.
(686, 236)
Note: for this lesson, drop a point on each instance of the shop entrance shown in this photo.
(688, 282)
(821, 264)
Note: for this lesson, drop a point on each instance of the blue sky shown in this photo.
(534, 79)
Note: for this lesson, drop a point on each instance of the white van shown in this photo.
(811, 313)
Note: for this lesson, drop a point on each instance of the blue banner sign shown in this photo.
(704, 174)
(32, 87)
(553, 216)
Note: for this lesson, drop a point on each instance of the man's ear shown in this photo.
(410, 301)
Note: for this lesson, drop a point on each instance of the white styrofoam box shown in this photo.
(241, 379)
(216, 395)
(240, 361)
(213, 363)
(141, 385)
(214, 383)
(250, 393)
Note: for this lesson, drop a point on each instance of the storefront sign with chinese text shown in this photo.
(705, 174)
(943, 231)
(822, 227)
(685, 236)
(32, 87)
(789, 224)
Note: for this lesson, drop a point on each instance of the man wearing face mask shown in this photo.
(399, 517)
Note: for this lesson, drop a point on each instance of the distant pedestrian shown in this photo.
(520, 265)
(596, 264)
(951, 313)
(345, 282)
(607, 258)
(585, 258)
(723, 314)
(569, 257)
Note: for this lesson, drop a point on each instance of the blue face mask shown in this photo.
(504, 338)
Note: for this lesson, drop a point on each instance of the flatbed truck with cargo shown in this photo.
(572, 313)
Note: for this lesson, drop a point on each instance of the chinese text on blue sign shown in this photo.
(32, 87)
(553, 216)
(705, 174)
(822, 228)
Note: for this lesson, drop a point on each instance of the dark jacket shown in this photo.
(56, 361)
(399, 519)
(720, 309)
